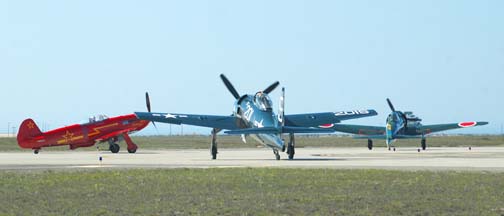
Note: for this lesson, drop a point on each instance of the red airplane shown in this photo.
(98, 129)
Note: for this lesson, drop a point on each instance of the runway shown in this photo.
(477, 159)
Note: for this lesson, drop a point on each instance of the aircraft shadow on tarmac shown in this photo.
(126, 153)
(295, 159)
(319, 159)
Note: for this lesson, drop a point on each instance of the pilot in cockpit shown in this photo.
(263, 101)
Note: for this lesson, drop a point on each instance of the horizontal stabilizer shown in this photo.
(296, 130)
(273, 130)
(265, 130)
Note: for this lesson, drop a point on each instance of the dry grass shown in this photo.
(260, 191)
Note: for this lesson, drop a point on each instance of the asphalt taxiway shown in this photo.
(481, 158)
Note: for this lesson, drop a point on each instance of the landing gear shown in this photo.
(424, 144)
(114, 147)
(277, 155)
(370, 144)
(291, 147)
(132, 151)
(213, 145)
(36, 151)
(132, 147)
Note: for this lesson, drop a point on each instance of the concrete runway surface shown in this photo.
(477, 159)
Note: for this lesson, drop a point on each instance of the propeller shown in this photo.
(271, 87)
(235, 93)
(390, 105)
(230, 86)
(147, 102)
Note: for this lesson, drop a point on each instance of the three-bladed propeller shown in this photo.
(147, 102)
(235, 93)
(390, 105)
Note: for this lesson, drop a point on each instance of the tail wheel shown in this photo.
(277, 155)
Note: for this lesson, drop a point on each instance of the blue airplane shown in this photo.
(253, 115)
(400, 125)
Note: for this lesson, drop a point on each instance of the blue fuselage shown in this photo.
(395, 124)
(256, 112)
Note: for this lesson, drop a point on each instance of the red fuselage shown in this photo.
(79, 135)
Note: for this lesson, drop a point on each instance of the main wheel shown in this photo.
(214, 152)
(424, 144)
(36, 151)
(132, 151)
(370, 144)
(290, 151)
(114, 148)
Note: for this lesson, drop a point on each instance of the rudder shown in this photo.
(27, 130)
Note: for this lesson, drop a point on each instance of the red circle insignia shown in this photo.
(467, 124)
(326, 126)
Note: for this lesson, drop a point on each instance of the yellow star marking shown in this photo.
(31, 125)
(68, 136)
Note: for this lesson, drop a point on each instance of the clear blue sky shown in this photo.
(62, 61)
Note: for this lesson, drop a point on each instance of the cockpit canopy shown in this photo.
(263, 101)
(97, 118)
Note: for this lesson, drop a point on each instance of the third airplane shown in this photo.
(400, 125)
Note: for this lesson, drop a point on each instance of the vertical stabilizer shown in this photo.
(27, 131)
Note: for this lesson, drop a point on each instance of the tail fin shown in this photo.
(27, 130)
(281, 110)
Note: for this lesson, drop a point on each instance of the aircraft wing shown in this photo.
(427, 129)
(318, 119)
(359, 129)
(211, 121)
